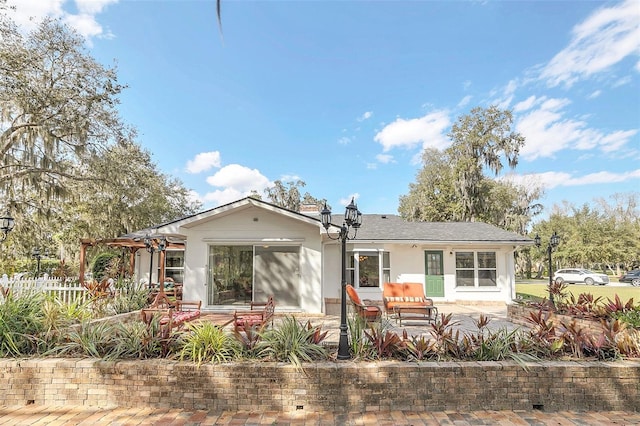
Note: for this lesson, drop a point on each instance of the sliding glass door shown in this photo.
(239, 274)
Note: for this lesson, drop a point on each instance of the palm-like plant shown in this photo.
(21, 324)
(206, 342)
(95, 340)
(292, 342)
(137, 340)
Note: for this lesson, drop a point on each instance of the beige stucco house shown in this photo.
(248, 249)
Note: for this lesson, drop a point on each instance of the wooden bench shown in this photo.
(172, 316)
(260, 315)
(408, 301)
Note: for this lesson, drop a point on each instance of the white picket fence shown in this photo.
(67, 291)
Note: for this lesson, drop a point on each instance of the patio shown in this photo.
(462, 314)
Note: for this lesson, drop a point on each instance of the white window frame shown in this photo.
(354, 271)
(476, 269)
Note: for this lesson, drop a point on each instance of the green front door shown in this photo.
(434, 273)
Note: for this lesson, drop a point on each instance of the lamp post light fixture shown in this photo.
(352, 219)
(6, 225)
(153, 245)
(553, 243)
(37, 255)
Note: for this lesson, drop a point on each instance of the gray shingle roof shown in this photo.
(381, 227)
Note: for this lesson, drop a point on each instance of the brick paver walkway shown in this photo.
(73, 415)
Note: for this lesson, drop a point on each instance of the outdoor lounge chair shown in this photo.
(369, 313)
(260, 315)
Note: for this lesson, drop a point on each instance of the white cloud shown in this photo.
(595, 94)
(235, 177)
(603, 177)
(29, 13)
(428, 130)
(345, 140)
(223, 196)
(526, 104)
(550, 180)
(604, 39)
(367, 115)
(384, 158)
(548, 131)
(465, 101)
(289, 178)
(203, 162)
(93, 7)
(506, 97)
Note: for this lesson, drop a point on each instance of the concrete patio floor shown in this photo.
(464, 317)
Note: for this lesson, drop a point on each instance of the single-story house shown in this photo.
(248, 249)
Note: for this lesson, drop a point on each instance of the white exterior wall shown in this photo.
(253, 226)
(407, 265)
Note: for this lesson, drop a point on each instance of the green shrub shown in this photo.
(631, 318)
(101, 263)
(206, 342)
(136, 340)
(21, 324)
(290, 342)
(95, 340)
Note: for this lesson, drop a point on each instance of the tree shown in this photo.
(125, 199)
(287, 195)
(595, 235)
(58, 108)
(433, 196)
(479, 140)
(443, 189)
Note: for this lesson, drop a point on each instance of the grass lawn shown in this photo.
(605, 291)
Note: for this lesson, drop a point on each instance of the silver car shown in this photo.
(577, 275)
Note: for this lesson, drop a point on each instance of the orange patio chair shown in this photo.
(369, 313)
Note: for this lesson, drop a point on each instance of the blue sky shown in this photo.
(344, 95)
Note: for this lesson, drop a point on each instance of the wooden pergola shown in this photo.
(153, 244)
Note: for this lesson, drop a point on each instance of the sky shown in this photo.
(345, 95)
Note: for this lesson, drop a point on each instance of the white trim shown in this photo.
(253, 240)
(478, 289)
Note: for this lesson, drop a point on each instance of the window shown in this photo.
(364, 268)
(174, 265)
(476, 269)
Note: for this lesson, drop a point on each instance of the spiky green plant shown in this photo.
(207, 342)
(95, 340)
(136, 340)
(290, 341)
(360, 346)
(128, 301)
(21, 324)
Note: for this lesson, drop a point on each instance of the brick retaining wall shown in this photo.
(325, 386)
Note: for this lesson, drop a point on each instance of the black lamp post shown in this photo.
(37, 255)
(6, 225)
(352, 219)
(553, 243)
(153, 245)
